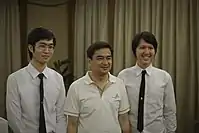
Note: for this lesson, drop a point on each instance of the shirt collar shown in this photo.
(139, 70)
(34, 72)
(88, 80)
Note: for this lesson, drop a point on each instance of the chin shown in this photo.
(105, 72)
(43, 62)
(146, 64)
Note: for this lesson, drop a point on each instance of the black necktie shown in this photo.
(42, 124)
(140, 123)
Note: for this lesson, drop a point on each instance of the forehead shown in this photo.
(102, 52)
(47, 42)
(144, 43)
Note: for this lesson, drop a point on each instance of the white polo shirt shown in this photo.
(97, 111)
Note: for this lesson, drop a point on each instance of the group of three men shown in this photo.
(140, 100)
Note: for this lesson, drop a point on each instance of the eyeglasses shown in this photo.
(43, 47)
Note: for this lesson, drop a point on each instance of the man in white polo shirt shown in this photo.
(97, 102)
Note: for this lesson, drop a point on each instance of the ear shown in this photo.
(30, 48)
(89, 63)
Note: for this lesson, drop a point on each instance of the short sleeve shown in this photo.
(124, 103)
(71, 106)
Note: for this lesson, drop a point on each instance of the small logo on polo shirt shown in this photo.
(116, 96)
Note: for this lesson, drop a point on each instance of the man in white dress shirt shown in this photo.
(36, 94)
(150, 90)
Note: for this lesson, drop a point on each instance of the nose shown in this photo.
(47, 49)
(105, 61)
(147, 51)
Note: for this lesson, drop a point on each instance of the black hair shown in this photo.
(147, 37)
(96, 46)
(38, 34)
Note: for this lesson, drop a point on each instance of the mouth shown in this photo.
(105, 68)
(146, 58)
(45, 57)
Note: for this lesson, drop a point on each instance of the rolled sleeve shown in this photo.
(71, 107)
(124, 103)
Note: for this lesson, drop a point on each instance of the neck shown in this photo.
(39, 66)
(98, 78)
(143, 66)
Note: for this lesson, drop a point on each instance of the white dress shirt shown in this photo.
(159, 104)
(22, 101)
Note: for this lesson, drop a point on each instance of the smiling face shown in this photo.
(145, 54)
(42, 51)
(101, 61)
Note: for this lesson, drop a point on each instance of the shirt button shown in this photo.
(141, 98)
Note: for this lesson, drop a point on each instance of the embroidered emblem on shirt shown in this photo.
(116, 96)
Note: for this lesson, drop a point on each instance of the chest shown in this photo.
(30, 92)
(96, 100)
(154, 88)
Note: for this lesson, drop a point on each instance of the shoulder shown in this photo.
(53, 73)
(116, 80)
(79, 82)
(127, 72)
(76, 86)
(163, 74)
(18, 74)
(160, 71)
(17, 78)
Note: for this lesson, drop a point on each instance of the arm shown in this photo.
(13, 106)
(124, 109)
(60, 118)
(72, 124)
(124, 123)
(71, 109)
(169, 111)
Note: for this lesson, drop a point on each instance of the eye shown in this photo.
(42, 46)
(99, 58)
(142, 47)
(151, 48)
(109, 58)
(51, 47)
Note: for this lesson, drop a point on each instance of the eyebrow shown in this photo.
(103, 56)
(46, 43)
